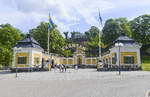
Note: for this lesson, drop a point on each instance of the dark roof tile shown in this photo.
(27, 42)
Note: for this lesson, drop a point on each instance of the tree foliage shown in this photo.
(40, 33)
(113, 28)
(141, 29)
(67, 53)
(93, 44)
(66, 35)
(9, 37)
(92, 49)
(93, 33)
(73, 34)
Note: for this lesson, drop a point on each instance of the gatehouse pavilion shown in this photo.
(28, 54)
(128, 54)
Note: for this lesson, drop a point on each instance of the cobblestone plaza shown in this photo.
(75, 83)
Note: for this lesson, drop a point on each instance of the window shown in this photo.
(113, 60)
(37, 60)
(106, 61)
(22, 60)
(128, 59)
(109, 60)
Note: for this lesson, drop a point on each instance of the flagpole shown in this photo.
(99, 46)
(50, 28)
(100, 31)
(48, 43)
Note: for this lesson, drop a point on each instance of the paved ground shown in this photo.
(75, 83)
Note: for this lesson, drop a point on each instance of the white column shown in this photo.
(14, 58)
(117, 52)
(138, 58)
(33, 58)
(82, 59)
(30, 57)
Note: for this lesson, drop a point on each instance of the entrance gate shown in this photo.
(79, 59)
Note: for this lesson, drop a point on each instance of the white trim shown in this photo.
(82, 59)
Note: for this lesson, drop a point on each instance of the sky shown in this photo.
(68, 15)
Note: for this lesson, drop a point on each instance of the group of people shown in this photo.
(61, 67)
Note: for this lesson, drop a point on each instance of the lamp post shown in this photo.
(119, 45)
(17, 49)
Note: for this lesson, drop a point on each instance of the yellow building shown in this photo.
(78, 58)
(27, 54)
(124, 51)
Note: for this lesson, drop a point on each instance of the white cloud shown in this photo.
(129, 3)
(65, 13)
(62, 26)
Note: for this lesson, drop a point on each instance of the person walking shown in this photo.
(65, 68)
(76, 67)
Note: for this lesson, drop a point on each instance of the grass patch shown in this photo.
(146, 66)
(145, 63)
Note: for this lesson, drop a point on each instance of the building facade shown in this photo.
(28, 54)
(126, 55)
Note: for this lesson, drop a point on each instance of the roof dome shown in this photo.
(28, 42)
(123, 37)
(126, 40)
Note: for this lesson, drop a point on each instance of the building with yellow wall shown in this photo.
(27, 54)
(129, 53)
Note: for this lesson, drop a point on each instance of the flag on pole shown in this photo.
(100, 18)
(101, 25)
(50, 23)
(50, 26)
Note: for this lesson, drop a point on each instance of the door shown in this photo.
(79, 59)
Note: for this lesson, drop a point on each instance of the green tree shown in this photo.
(141, 32)
(125, 26)
(93, 44)
(40, 33)
(9, 37)
(66, 35)
(93, 33)
(92, 49)
(67, 53)
(113, 28)
(5, 56)
(141, 29)
(73, 34)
